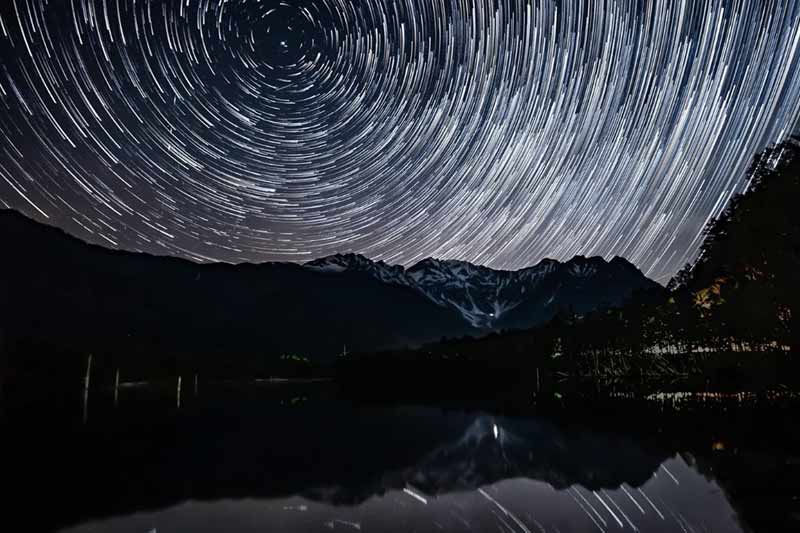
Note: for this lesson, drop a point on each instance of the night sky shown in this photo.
(498, 132)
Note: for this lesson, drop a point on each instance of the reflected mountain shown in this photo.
(271, 452)
(491, 449)
(330, 452)
(516, 505)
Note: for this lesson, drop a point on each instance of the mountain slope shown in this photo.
(166, 313)
(496, 299)
(60, 291)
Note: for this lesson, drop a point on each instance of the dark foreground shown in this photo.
(281, 457)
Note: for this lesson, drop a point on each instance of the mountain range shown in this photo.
(60, 291)
(499, 299)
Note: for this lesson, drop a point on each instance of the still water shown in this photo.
(283, 459)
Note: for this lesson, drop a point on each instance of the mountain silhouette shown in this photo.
(70, 294)
(64, 295)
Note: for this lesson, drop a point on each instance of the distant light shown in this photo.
(496, 431)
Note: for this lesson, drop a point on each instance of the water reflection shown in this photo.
(266, 461)
(687, 502)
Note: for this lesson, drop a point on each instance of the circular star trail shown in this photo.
(497, 132)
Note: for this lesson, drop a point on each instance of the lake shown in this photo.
(290, 458)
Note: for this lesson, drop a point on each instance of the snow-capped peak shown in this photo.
(358, 263)
(481, 295)
(340, 263)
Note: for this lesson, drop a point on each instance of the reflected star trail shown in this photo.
(498, 132)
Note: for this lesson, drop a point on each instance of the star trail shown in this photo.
(493, 131)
